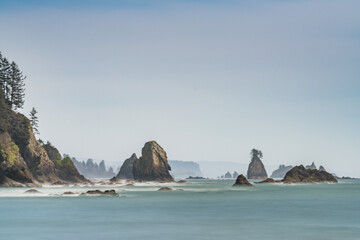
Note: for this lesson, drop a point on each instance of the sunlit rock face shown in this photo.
(152, 165)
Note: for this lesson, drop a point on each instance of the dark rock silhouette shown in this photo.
(103, 193)
(152, 165)
(301, 174)
(165, 189)
(242, 181)
(126, 170)
(281, 171)
(256, 168)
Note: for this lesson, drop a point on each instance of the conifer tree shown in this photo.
(34, 121)
(17, 87)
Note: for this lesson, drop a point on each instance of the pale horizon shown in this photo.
(208, 81)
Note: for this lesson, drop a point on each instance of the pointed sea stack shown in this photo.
(256, 168)
(126, 170)
(153, 164)
(242, 181)
(301, 174)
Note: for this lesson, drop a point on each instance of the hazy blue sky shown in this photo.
(208, 80)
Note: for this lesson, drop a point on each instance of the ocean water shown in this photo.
(202, 209)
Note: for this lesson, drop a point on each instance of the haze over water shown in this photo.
(204, 210)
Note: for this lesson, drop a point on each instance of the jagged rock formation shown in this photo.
(268, 180)
(65, 168)
(312, 166)
(321, 168)
(301, 174)
(184, 169)
(126, 170)
(153, 164)
(235, 174)
(281, 171)
(228, 175)
(93, 170)
(23, 160)
(256, 168)
(242, 181)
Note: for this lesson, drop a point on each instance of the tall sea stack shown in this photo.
(256, 168)
(152, 165)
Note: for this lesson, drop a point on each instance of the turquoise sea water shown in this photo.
(203, 209)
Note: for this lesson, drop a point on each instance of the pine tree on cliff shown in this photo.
(17, 87)
(12, 81)
(34, 121)
(3, 111)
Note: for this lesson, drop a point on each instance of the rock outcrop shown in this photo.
(228, 175)
(312, 166)
(183, 169)
(64, 168)
(242, 181)
(268, 180)
(91, 169)
(126, 170)
(23, 160)
(152, 165)
(321, 168)
(256, 168)
(235, 174)
(300, 174)
(281, 171)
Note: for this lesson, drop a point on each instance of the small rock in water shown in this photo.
(268, 180)
(32, 191)
(241, 181)
(181, 181)
(68, 193)
(165, 189)
(98, 192)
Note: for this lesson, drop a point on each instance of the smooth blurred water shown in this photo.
(205, 209)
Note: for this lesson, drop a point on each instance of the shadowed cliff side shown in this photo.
(126, 170)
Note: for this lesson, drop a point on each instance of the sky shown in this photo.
(208, 80)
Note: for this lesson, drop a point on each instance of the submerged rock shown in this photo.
(126, 170)
(281, 171)
(256, 168)
(165, 189)
(152, 165)
(98, 192)
(268, 180)
(32, 191)
(242, 181)
(300, 174)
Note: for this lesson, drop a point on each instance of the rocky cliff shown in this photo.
(281, 171)
(301, 174)
(23, 160)
(126, 170)
(64, 168)
(153, 164)
(256, 168)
